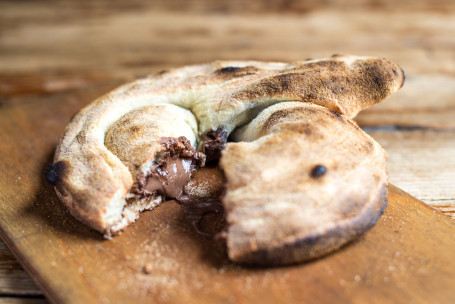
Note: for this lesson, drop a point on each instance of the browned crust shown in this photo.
(346, 89)
(221, 95)
(279, 211)
(317, 245)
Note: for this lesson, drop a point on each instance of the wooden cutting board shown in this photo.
(408, 257)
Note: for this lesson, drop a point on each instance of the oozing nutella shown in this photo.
(170, 178)
(214, 142)
(171, 170)
(179, 173)
(202, 195)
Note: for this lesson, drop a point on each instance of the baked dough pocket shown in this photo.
(270, 145)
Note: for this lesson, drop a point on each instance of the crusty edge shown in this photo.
(181, 88)
(317, 245)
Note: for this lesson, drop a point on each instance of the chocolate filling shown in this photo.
(214, 142)
(202, 196)
(172, 169)
(178, 173)
(170, 178)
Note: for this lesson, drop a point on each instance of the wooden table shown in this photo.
(74, 51)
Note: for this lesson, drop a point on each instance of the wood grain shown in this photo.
(406, 257)
(60, 51)
(136, 41)
(22, 300)
(434, 152)
(425, 101)
(56, 56)
(12, 275)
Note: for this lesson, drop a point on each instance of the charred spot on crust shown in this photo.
(280, 83)
(397, 72)
(74, 115)
(291, 115)
(318, 171)
(233, 72)
(272, 256)
(229, 69)
(214, 143)
(376, 77)
(337, 115)
(54, 172)
(404, 77)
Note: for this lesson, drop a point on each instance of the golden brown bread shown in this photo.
(302, 181)
(110, 142)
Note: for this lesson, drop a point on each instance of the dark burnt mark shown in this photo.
(308, 241)
(134, 129)
(337, 115)
(369, 146)
(284, 82)
(229, 69)
(234, 72)
(318, 171)
(311, 111)
(162, 72)
(74, 115)
(295, 83)
(292, 115)
(277, 117)
(404, 77)
(308, 82)
(257, 258)
(276, 256)
(214, 143)
(55, 171)
(376, 78)
(274, 85)
(303, 128)
(397, 73)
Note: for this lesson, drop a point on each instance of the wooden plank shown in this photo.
(406, 149)
(407, 257)
(96, 8)
(19, 88)
(141, 38)
(52, 64)
(32, 63)
(13, 279)
(425, 101)
(422, 162)
(19, 300)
